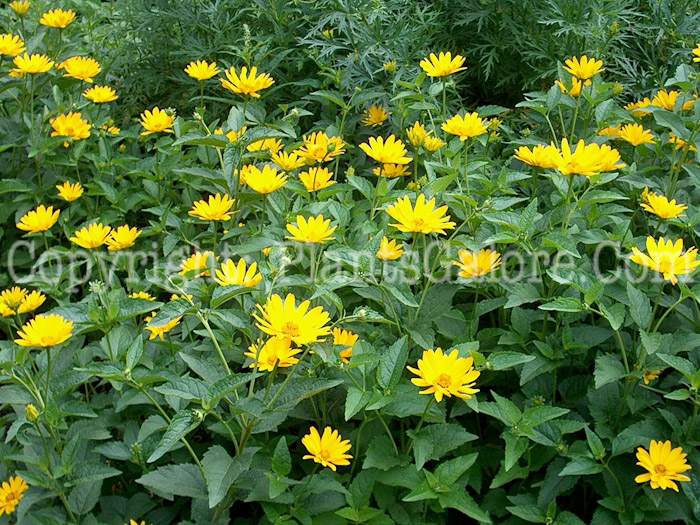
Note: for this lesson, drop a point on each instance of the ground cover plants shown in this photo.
(347, 299)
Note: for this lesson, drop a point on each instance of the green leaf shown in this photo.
(85, 472)
(303, 388)
(183, 422)
(506, 360)
(222, 294)
(281, 459)
(221, 471)
(564, 243)
(608, 369)
(169, 312)
(684, 366)
(133, 355)
(595, 444)
(432, 442)
(403, 293)
(582, 467)
(640, 307)
(515, 448)
(355, 401)
(450, 471)
(188, 388)
(169, 481)
(458, 499)
(563, 304)
(392, 363)
(226, 386)
(522, 293)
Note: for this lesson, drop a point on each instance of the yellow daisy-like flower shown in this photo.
(316, 230)
(232, 274)
(584, 160)
(637, 108)
(316, 178)
(391, 171)
(390, 66)
(417, 134)
(13, 297)
(232, 135)
(664, 465)
(432, 144)
(696, 52)
(21, 7)
(576, 86)
(584, 67)
(31, 302)
(175, 297)
(471, 125)
(11, 493)
(70, 125)
(113, 130)
(11, 45)
(680, 143)
(246, 83)
(347, 339)
(38, 220)
(81, 68)
(389, 250)
(328, 449)
(319, 147)
(650, 375)
(283, 319)
(156, 121)
(667, 100)
(635, 134)
(70, 192)
(134, 522)
(57, 18)
(610, 131)
(31, 64)
(328, 33)
(374, 116)
(424, 218)
(443, 65)
(100, 94)
(389, 151)
(445, 375)
(667, 258)
(477, 264)
(91, 237)
(45, 331)
(287, 161)
(197, 265)
(202, 70)
(608, 158)
(160, 331)
(270, 145)
(218, 208)
(142, 295)
(275, 352)
(122, 238)
(540, 156)
(265, 181)
(661, 207)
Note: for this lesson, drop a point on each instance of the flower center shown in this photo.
(324, 454)
(659, 469)
(291, 329)
(444, 381)
(418, 223)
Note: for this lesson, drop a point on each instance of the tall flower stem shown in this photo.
(46, 246)
(420, 423)
(444, 99)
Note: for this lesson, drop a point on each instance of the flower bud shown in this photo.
(31, 412)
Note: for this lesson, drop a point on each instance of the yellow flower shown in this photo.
(157, 121)
(271, 145)
(265, 181)
(71, 125)
(424, 218)
(391, 171)
(91, 237)
(389, 151)
(432, 144)
(584, 68)
(70, 192)
(236, 275)
(374, 116)
(38, 220)
(32, 414)
(82, 68)
(21, 7)
(318, 147)
(637, 107)
(416, 134)
(445, 375)
(31, 65)
(443, 65)
(650, 375)
(287, 161)
(610, 131)
(202, 70)
(477, 264)
(328, 449)
(664, 465)
(661, 207)
(328, 33)
(13, 297)
(275, 352)
(391, 65)
(45, 331)
(122, 238)
(540, 156)
(217, 209)
(680, 143)
(584, 160)
(113, 130)
(283, 319)
(142, 295)
(197, 265)
(667, 100)
(667, 258)
(347, 339)
(11, 493)
(11, 45)
(576, 87)
(608, 158)
(100, 94)
(696, 52)
(232, 135)
(389, 250)
(159, 331)
(57, 18)
(31, 302)
(246, 83)
(316, 179)
(635, 134)
(316, 230)
(471, 125)
(134, 522)
(266, 251)
(175, 297)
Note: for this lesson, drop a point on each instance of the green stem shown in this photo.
(420, 422)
